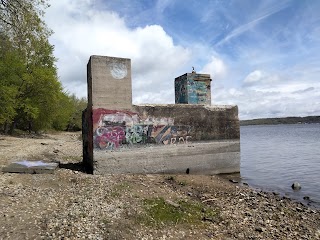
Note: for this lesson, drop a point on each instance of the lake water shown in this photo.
(275, 156)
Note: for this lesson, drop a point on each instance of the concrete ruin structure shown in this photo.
(191, 136)
(193, 88)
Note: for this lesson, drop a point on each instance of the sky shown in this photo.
(263, 55)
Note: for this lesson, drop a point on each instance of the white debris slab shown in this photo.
(33, 167)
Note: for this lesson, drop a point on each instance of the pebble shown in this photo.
(74, 205)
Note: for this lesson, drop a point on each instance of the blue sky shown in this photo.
(263, 56)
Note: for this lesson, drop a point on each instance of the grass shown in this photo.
(118, 189)
(159, 212)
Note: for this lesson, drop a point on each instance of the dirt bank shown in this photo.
(75, 205)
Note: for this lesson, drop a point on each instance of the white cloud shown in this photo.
(277, 101)
(252, 77)
(80, 30)
(260, 77)
(216, 68)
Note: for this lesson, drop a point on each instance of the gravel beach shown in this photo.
(71, 204)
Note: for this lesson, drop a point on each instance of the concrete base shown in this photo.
(30, 167)
(212, 157)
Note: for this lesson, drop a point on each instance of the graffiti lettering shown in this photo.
(109, 137)
(179, 140)
(114, 128)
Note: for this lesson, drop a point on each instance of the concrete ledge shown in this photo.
(212, 157)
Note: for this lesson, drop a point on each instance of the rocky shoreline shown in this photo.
(305, 200)
(71, 204)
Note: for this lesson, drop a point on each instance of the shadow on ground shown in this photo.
(73, 166)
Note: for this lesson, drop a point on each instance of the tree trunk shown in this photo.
(13, 126)
(30, 127)
(6, 127)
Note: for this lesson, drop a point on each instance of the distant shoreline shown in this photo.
(284, 120)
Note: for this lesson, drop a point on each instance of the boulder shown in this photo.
(296, 186)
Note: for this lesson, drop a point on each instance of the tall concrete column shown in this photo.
(109, 82)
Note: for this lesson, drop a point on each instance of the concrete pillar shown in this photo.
(193, 88)
(109, 82)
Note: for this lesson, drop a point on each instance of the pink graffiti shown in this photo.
(110, 137)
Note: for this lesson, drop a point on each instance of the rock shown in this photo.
(233, 181)
(306, 198)
(172, 203)
(259, 229)
(248, 214)
(207, 219)
(296, 186)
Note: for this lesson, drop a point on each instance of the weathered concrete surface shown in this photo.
(30, 167)
(122, 141)
(212, 157)
(206, 122)
(109, 82)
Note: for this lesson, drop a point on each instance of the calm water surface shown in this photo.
(275, 156)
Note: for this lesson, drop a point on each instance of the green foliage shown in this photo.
(31, 96)
(63, 113)
(11, 67)
(78, 105)
(7, 104)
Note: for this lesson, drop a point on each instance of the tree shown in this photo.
(11, 66)
(79, 104)
(31, 93)
(64, 113)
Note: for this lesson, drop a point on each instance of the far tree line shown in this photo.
(284, 120)
(31, 95)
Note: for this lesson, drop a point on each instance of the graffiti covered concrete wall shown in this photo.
(162, 124)
(114, 129)
(173, 138)
(181, 89)
(205, 122)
